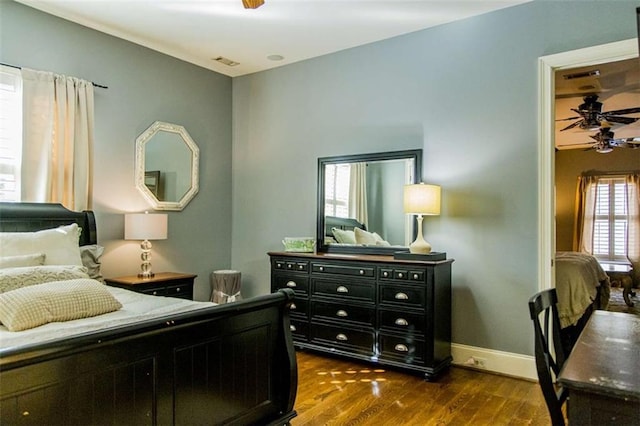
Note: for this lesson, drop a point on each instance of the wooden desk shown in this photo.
(603, 371)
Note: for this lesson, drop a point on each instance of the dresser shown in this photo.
(369, 307)
(172, 284)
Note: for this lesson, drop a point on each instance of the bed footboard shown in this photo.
(229, 364)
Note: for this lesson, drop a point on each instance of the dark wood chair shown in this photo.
(549, 351)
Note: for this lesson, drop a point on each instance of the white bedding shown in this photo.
(135, 307)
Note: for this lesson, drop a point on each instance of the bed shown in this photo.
(582, 286)
(205, 364)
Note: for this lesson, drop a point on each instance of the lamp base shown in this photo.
(146, 275)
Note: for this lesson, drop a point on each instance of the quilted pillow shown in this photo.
(40, 304)
(60, 245)
(13, 278)
(35, 259)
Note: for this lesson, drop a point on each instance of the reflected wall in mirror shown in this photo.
(166, 171)
(360, 202)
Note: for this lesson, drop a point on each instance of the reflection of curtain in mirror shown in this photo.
(358, 193)
(58, 139)
(632, 182)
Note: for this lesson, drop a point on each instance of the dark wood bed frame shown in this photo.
(228, 364)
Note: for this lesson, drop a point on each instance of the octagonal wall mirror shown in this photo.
(166, 169)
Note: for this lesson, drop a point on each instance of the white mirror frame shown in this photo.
(141, 142)
(547, 66)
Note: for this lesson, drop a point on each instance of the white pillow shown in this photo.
(30, 307)
(35, 259)
(60, 245)
(364, 237)
(344, 236)
(13, 278)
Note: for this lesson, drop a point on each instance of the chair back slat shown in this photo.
(549, 353)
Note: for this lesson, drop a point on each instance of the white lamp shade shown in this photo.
(422, 199)
(145, 226)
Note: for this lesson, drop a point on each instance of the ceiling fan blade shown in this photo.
(571, 126)
(622, 111)
(621, 120)
(568, 119)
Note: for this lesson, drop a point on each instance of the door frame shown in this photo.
(547, 66)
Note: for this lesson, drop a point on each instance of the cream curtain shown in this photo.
(57, 152)
(633, 224)
(358, 193)
(585, 210)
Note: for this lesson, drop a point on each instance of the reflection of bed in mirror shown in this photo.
(364, 193)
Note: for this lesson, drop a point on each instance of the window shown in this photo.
(336, 190)
(10, 133)
(610, 220)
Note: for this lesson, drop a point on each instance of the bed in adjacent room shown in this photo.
(78, 351)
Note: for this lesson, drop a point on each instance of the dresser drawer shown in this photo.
(297, 283)
(156, 291)
(364, 315)
(361, 341)
(299, 307)
(346, 290)
(402, 321)
(291, 265)
(407, 350)
(359, 271)
(182, 290)
(417, 276)
(403, 295)
(299, 329)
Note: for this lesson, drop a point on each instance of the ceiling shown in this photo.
(617, 85)
(277, 33)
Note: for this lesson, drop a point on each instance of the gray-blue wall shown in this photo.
(466, 93)
(144, 86)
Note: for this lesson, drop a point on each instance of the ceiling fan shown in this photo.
(605, 141)
(591, 115)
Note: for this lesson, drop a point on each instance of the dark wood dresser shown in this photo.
(373, 308)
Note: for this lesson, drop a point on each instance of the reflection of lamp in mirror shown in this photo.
(421, 199)
(145, 226)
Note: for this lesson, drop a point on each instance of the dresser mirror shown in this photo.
(166, 169)
(365, 192)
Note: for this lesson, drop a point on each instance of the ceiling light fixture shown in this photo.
(275, 57)
(226, 61)
(252, 4)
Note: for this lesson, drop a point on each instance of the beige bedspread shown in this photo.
(578, 276)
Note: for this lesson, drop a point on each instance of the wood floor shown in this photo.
(332, 391)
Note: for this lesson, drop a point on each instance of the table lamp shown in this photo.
(145, 226)
(421, 199)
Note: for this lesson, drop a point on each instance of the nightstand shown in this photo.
(172, 284)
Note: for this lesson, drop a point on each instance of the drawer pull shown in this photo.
(401, 348)
(292, 327)
(342, 289)
(289, 266)
(342, 313)
(293, 306)
(385, 274)
(416, 276)
(400, 275)
(402, 321)
(321, 269)
(342, 337)
(301, 267)
(155, 293)
(361, 271)
(292, 284)
(178, 290)
(401, 296)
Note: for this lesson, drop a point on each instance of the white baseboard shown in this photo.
(507, 363)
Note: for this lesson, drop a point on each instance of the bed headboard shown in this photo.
(345, 223)
(29, 217)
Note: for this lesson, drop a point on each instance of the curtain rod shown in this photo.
(610, 173)
(18, 67)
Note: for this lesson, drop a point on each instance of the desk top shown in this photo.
(606, 357)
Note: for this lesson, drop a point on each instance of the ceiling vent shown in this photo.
(226, 61)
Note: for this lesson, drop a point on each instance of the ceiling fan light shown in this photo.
(604, 150)
(252, 4)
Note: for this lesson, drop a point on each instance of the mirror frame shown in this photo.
(415, 154)
(140, 171)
